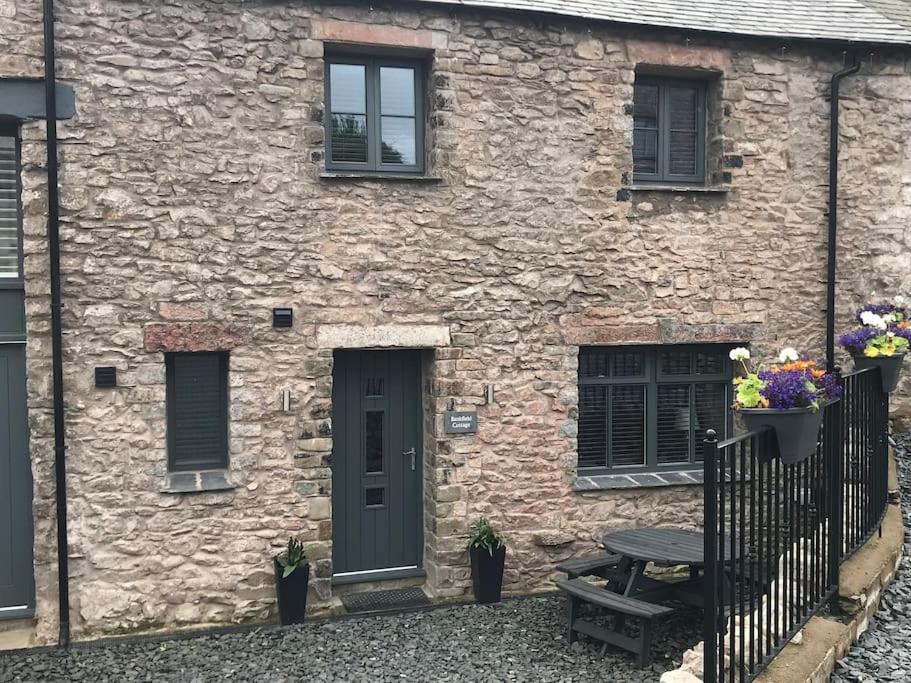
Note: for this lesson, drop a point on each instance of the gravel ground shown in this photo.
(518, 640)
(883, 653)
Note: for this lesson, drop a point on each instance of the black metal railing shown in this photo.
(777, 533)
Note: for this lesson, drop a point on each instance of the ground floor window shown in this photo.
(646, 408)
(197, 407)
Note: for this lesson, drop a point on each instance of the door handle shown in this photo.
(413, 453)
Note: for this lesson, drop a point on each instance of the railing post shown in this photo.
(834, 445)
(712, 574)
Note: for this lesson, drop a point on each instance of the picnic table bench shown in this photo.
(628, 592)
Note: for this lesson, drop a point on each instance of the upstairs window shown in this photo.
(647, 408)
(668, 130)
(10, 240)
(197, 408)
(375, 117)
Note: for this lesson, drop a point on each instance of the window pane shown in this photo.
(675, 362)
(373, 447)
(374, 496)
(645, 106)
(645, 151)
(594, 363)
(627, 446)
(593, 426)
(711, 410)
(681, 103)
(396, 91)
(682, 112)
(674, 423)
(710, 362)
(398, 142)
(349, 138)
(9, 218)
(628, 364)
(197, 409)
(348, 87)
(683, 153)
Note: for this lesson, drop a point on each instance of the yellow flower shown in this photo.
(870, 352)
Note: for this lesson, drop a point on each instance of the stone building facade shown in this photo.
(195, 199)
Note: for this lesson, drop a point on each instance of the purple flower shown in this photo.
(787, 388)
(856, 340)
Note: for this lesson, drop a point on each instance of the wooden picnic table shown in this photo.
(665, 547)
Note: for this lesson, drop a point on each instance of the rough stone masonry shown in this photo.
(193, 204)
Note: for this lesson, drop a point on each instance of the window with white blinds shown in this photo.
(9, 208)
(646, 408)
(197, 408)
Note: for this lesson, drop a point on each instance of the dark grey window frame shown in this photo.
(652, 378)
(372, 64)
(181, 464)
(663, 176)
(13, 131)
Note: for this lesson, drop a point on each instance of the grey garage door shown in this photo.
(376, 464)
(16, 581)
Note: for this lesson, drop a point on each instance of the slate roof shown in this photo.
(864, 21)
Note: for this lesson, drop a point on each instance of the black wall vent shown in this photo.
(282, 317)
(106, 377)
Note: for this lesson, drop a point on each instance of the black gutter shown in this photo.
(833, 208)
(53, 242)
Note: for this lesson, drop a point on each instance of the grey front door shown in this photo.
(376, 464)
(16, 580)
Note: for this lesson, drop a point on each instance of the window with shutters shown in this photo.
(645, 408)
(375, 115)
(10, 214)
(669, 130)
(197, 407)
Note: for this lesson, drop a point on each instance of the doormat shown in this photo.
(385, 601)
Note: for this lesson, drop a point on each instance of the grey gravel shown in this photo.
(518, 640)
(883, 653)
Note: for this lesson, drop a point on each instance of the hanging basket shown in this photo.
(890, 368)
(796, 429)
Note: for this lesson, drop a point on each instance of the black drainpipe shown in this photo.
(53, 242)
(833, 209)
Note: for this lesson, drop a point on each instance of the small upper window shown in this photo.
(10, 242)
(668, 130)
(197, 407)
(375, 118)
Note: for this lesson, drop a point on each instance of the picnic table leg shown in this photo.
(572, 612)
(645, 643)
(637, 570)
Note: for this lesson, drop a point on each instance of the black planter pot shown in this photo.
(292, 593)
(796, 429)
(890, 368)
(487, 573)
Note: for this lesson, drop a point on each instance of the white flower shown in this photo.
(788, 355)
(889, 318)
(890, 334)
(873, 320)
(739, 354)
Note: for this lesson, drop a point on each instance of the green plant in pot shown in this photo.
(789, 398)
(487, 550)
(292, 579)
(880, 340)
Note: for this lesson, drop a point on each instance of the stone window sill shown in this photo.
(642, 480)
(198, 482)
(698, 189)
(396, 177)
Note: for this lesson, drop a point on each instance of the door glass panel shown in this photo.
(373, 432)
(374, 496)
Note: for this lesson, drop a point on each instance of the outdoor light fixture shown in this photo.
(105, 377)
(282, 317)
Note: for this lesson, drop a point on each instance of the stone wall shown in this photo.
(192, 196)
